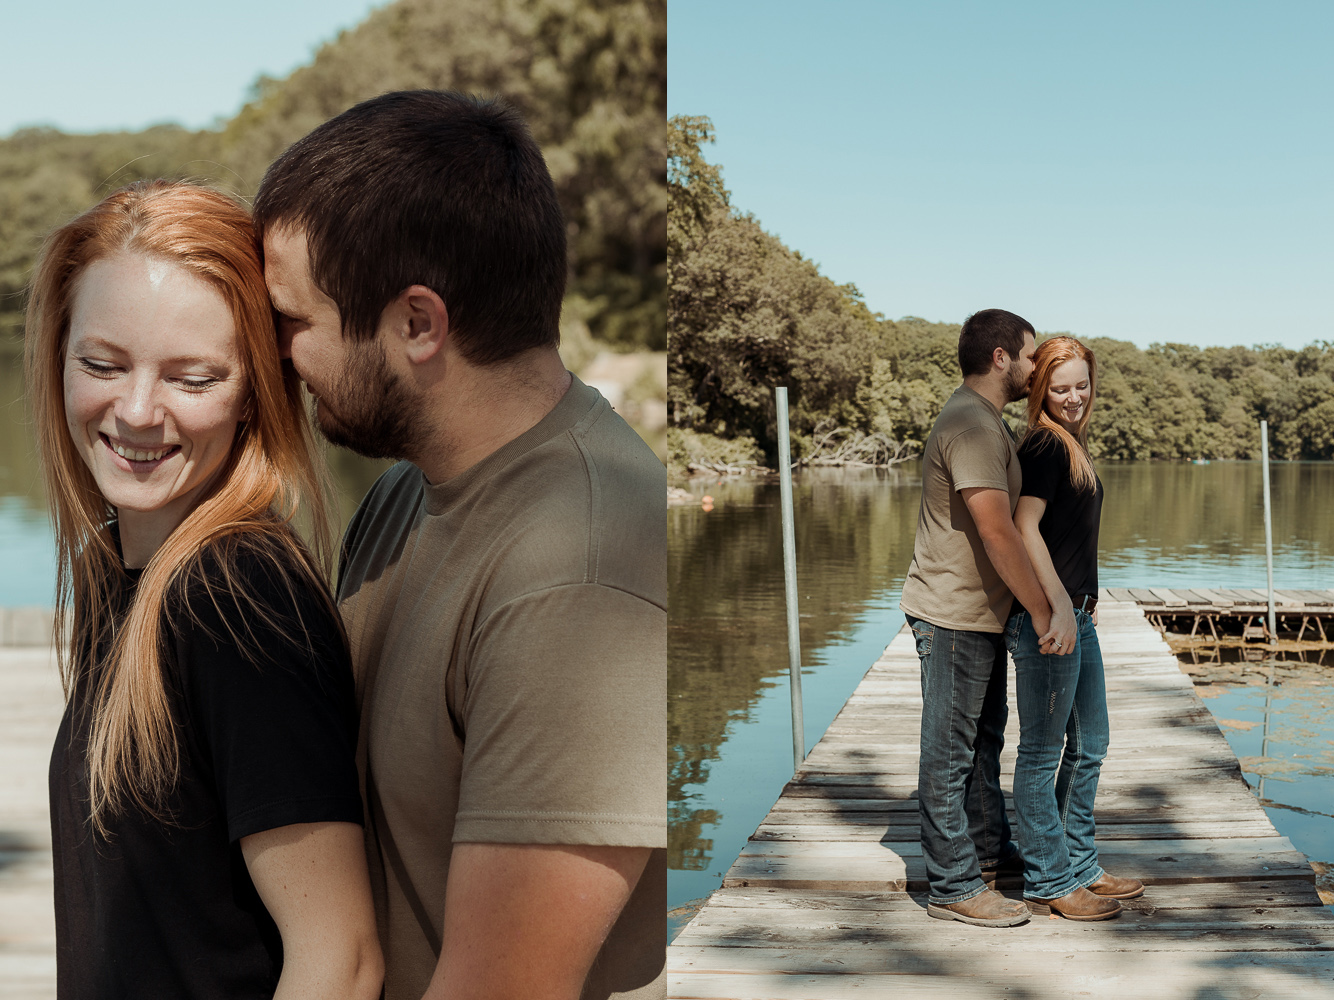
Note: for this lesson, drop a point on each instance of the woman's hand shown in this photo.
(312, 879)
(1093, 617)
(1063, 631)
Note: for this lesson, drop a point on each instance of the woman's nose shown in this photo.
(138, 406)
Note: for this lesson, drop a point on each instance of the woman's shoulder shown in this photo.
(1041, 442)
(252, 589)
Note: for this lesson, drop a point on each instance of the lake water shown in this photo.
(729, 722)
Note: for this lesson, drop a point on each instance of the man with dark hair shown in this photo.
(969, 564)
(504, 587)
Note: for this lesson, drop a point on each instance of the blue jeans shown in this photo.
(1062, 741)
(962, 807)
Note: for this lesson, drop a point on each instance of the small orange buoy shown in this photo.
(707, 503)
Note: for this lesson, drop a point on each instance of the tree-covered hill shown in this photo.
(746, 313)
(590, 76)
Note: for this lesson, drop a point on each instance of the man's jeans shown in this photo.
(1062, 741)
(962, 807)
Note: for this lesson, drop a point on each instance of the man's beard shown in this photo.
(1015, 388)
(369, 409)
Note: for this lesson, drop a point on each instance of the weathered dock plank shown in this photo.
(826, 900)
(30, 709)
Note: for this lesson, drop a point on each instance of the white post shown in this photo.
(1269, 527)
(790, 578)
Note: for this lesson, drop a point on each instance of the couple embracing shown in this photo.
(443, 778)
(1006, 559)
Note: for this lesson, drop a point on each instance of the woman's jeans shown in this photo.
(962, 807)
(1062, 741)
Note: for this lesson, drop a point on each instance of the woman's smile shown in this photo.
(138, 459)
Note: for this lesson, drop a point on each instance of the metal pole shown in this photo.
(1264, 739)
(1269, 527)
(790, 578)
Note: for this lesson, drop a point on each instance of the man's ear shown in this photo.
(999, 359)
(423, 322)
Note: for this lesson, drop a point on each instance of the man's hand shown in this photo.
(525, 921)
(1042, 626)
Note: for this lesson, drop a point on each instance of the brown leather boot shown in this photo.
(1084, 905)
(1116, 888)
(987, 909)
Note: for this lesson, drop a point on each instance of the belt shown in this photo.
(1085, 603)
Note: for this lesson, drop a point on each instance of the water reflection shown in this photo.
(727, 637)
(729, 735)
(1279, 724)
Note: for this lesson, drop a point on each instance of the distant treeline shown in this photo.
(746, 313)
(590, 77)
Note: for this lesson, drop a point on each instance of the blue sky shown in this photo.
(1148, 171)
(92, 67)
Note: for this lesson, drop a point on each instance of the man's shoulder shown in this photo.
(965, 421)
(967, 412)
(588, 506)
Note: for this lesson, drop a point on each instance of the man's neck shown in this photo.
(480, 409)
(990, 388)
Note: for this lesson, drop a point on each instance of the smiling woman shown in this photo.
(153, 426)
(204, 763)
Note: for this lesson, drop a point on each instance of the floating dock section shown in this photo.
(1237, 611)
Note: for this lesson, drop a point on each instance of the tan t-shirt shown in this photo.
(951, 582)
(509, 637)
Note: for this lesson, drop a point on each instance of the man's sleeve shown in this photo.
(565, 722)
(977, 457)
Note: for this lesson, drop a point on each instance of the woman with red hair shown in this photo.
(1063, 726)
(204, 804)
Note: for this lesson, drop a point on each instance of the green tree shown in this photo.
(589, 76)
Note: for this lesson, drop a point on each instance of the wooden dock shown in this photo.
(827, 899)
(1171, 609)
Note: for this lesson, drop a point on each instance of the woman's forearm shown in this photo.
(1043, 567)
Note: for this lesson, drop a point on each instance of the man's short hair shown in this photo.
(431, 188)
(987, 330)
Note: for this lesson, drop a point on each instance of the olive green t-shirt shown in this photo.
(508, 630)
(951, 582)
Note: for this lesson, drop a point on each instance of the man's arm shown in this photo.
(1027, 518)
(312, 879)
(990, 509)
(525, 921)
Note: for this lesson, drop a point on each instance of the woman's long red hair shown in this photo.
(270, 475)
(1050, 355)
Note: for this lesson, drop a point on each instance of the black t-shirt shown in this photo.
(168, 909)
(1069, 525)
